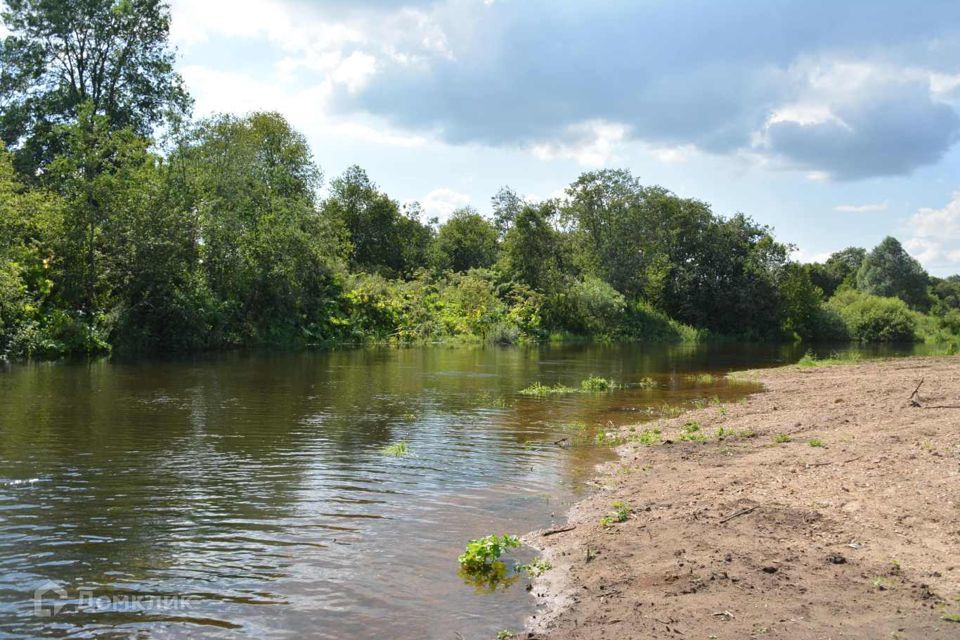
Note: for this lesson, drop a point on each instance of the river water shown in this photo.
(248, 496)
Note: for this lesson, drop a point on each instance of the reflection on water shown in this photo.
(255, 490)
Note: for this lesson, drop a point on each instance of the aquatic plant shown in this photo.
(702, 378)
(397, 449)
(596, 383)
(481, 553)
(540, 390)
(646, 383)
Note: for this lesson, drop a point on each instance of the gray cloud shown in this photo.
(703, 73)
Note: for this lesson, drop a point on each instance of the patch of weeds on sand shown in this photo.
(951, 617)
(648, 437)
(670, 411)
(396, 450)
(621, 513)
(690, 432)
(505, 635)
(810, 360)
(782, 438)
(746, 433)
(536, 568)
(880, 584)
(816, 442)
(540, 390)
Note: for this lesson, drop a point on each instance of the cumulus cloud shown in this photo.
(839, 91)
(441, 202)
(936, 237)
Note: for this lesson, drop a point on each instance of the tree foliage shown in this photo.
(112, 55)
(889, 271)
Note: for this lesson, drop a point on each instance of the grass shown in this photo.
(536, 568)
(540, 390)
(648, 437)
(782, 438)
(951, 617)
(605, 439)
(880, 584)
(690, 432)
(816, 442)
(397, 449)
(702, 378)
(621, 513)
(810, 360)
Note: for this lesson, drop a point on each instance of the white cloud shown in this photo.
(861, 208)
(591, 144)
(936, 237)
(441, 202)
(800, 255)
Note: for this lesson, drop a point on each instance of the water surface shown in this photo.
(248, 496)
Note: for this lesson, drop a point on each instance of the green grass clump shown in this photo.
(596, 383)
(621, 513)
(646, 383)
(648, 437)
(782, 438)
(951, 617)
(816, 442)
(540, 390)
(481, 553)
(397, 449)
(605, 439)
(536, 568)
(702, 378)
(810, 360)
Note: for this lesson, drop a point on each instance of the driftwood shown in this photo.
(552, 532)
(915, 396)
(742, 512)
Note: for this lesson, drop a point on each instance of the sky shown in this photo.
(836, 123)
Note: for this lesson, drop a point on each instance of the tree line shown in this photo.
(125, 224)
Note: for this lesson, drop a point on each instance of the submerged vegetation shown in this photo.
(481, 553)
(397, 449)
(126, 225)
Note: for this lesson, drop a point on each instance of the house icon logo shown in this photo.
(49, 599)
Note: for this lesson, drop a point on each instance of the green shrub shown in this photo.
(871, 318)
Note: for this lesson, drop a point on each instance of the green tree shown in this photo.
(506, 205)
(800, 301)
(30, 223)
(382, 239)
(840, 269)
(890, 272)
(60, 55)
(533, 250)
(466, 241)
(269, 257)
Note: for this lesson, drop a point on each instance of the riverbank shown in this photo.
(827, 507)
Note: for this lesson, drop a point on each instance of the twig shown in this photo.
(742, 512)
(550, 532)
(915, 396)
(851, 460)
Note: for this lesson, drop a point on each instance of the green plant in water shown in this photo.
(702, 378)
(481, 553)
(816, 442)
(596, 383)
(397, 449)
(605, 439)
(646, 383)
(782, 438)
(540, 390)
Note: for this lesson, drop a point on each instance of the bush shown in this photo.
(870, 318)
(588, 307)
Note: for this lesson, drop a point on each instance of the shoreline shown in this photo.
(827, 507)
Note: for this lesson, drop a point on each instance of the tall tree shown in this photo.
(466, 241)
(891, 272)
(60, 54)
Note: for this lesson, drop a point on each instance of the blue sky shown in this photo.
(836, 125)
